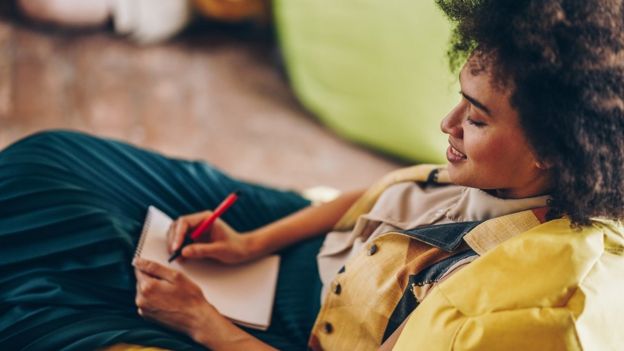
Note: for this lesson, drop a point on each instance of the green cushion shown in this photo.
(375, 71)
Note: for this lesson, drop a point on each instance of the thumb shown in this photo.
(209, 250)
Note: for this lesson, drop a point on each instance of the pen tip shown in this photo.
(174, 256)
(238, 193)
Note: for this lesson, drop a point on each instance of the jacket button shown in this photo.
(372, 250)
(328, 328)
(337, 289)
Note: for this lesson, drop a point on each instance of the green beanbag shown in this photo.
(375, 71)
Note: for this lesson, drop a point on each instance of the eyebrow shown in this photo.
(476, 103)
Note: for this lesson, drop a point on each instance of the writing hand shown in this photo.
(224, 244)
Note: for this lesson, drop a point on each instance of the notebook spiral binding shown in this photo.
(146, 226)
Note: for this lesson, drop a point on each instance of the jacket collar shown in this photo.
(481, 236)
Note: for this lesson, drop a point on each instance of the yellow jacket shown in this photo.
(550, 288)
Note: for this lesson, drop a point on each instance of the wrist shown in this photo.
(221, 334)
(210, 328)
(256, 243)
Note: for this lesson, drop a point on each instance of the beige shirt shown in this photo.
(409, 205)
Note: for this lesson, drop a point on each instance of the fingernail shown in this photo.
(134, 260)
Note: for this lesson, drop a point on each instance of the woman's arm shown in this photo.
(168, 297)
(301, 225)
(227, 245)
(231, 338)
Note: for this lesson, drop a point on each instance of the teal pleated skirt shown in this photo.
(71, 209)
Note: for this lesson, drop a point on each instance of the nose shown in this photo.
(452, 123)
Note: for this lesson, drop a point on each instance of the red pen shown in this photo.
(206, 223)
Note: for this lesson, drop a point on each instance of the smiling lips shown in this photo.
(453, 155)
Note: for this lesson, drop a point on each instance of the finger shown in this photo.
(211, 250)
(178, 229)
(154, 270)
(145, 287)
(144, 280)
(140, 278)
(139, 300)
(137, 288)
(169, 236)
(194, 219)
(181, 226)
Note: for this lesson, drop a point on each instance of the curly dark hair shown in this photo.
(564, 61)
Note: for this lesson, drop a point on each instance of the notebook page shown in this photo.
(243, 293)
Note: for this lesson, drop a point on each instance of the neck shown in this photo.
(538, 189)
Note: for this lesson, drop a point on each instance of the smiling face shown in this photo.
(488, 149)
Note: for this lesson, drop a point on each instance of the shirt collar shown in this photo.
(477, 205)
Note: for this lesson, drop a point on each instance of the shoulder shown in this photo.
(428, 183)
(418, 173)
(421, 191)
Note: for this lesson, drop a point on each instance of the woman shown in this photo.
(535, 137)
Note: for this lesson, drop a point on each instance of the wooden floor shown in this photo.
(211, 96)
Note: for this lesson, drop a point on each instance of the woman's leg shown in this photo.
(71, 209)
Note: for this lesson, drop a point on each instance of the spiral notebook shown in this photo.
(243, 293)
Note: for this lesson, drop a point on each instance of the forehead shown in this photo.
(476, 78)
(482, 67)
(475, 83)
(478, 87)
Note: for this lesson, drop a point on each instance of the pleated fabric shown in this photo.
(71, 210)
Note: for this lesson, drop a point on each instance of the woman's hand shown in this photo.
(228, 246)
(168, 297)
(220, 242)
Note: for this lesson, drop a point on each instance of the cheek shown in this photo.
(487, 148)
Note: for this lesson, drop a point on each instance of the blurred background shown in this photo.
(292, 93)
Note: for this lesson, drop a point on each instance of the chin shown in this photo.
(453, 173)
(457, 175)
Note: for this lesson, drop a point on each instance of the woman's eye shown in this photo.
(477, 124)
